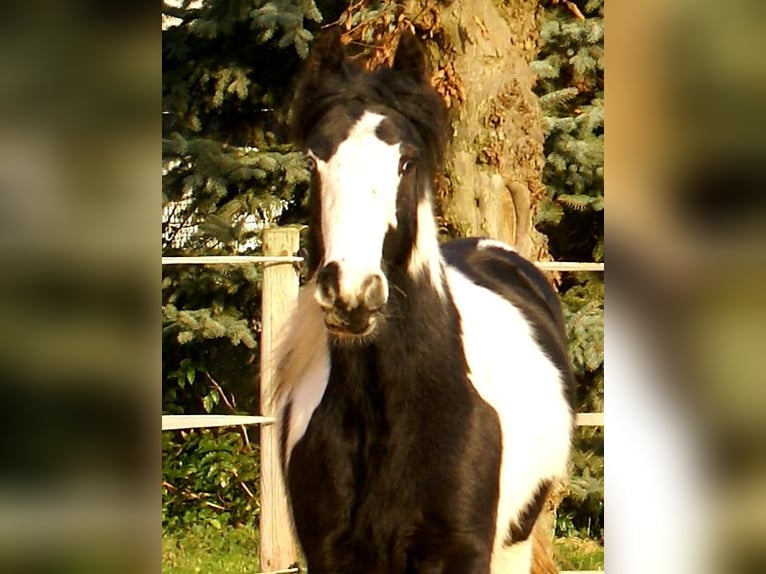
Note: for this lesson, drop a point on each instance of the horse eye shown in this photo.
(310, 161)
(405, 165)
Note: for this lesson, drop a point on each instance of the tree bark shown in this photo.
(496, 159)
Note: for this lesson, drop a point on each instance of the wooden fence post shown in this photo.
(280, 290)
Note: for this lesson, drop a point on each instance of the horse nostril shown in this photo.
(326, 292)
(374, 292)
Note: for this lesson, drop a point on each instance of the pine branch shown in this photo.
(576, 202)
(548, 102)
(185, 14)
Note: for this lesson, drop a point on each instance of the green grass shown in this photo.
(207, 550)
(574, 553)
(234, 550)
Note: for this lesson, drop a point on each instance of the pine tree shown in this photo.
(570, 71)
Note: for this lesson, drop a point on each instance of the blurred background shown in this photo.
(686, 315)
(79, 348)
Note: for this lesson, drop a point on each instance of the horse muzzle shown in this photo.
(350, 309)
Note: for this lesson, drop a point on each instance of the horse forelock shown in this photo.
(355, 91)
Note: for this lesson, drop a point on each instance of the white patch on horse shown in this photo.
(426, 256)
(359, 188)
(516, 558)
(513, 375)
(490, 243)
(304, 399)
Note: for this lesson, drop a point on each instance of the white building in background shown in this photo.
(178, 232)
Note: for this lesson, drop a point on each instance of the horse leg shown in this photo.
(461, 555)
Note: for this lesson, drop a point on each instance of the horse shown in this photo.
(424, 397)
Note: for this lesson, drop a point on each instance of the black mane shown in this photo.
(329, 81)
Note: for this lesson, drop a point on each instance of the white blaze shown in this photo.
(359, 187)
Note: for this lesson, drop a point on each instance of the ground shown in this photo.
(234, 550)
(208, 550)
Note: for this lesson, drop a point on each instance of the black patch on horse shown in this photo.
(522, 527)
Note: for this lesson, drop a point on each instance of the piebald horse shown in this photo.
(424, 391)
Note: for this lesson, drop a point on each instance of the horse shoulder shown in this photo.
(495, 267)
(513, 345)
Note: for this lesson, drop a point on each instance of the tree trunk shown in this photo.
(495, 163)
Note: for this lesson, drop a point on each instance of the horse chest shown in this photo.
(367, 429)
(370, 467)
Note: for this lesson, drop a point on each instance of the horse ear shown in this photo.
(410, 57)
(327, 54)
(324, 70)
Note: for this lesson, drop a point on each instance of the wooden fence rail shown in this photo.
(231, 259)
(186, 422)
(250, 259)
(280, 289)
